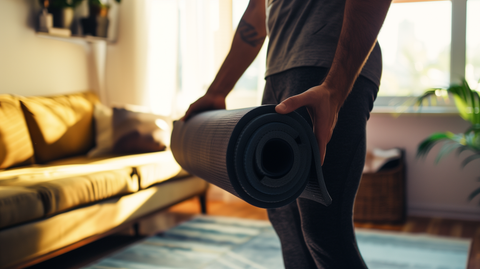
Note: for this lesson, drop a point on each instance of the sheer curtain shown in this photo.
(187, 41)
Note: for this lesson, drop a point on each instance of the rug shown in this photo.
(208, 242)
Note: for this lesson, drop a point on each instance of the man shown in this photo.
(324, 62)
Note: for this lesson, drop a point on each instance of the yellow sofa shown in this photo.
(53, 197)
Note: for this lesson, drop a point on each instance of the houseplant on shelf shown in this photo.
(96, 23)
(467, 102)
(62, 11)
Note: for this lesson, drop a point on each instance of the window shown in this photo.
(205, 33)
(424, 44)
(415, 41)
(472, 69)
(440, 46)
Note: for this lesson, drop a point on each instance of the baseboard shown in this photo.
(449, 212)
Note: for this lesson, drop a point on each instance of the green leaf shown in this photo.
(467, 101)
(474, 128)
(64, 3)
(445, 150)
(426, 145)
(473, 194)
(462, 149)
(470, 158)
(426, 95)
(462, 107)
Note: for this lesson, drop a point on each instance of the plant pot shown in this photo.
(89, 26)
(62, 17)
(96, 24)
(102, 26)
(67, 16)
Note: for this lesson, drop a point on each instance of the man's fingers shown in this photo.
(291, 104)
(323, 149)
(323, 137)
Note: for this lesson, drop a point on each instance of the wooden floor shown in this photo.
(434, 226)
(188, 209)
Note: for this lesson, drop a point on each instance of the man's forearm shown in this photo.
(361, 25)
(247, 42)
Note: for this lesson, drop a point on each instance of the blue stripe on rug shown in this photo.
(208, 242)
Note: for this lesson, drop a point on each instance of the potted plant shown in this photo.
(99, 7)
(467, 102)
(96, 23)
(62, 11)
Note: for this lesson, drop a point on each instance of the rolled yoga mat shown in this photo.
(265, 158)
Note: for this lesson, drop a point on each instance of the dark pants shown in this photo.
(312, 235)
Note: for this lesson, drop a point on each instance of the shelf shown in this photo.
(75, 38)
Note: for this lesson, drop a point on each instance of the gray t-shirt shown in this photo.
(306, 33)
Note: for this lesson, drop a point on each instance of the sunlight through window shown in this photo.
(415, 42)
(472, 68)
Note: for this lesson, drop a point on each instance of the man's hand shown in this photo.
(204, 103)
(323, 107)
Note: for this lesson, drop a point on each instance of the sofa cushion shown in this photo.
(164, 168)
(18, 204)
(63, 188)
(60, 126)
(152, 168)
(15, 146)
(102, 117)
(42, 237)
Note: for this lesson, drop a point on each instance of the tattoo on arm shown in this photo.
(248, 34)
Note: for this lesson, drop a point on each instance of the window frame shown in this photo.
(396, 104)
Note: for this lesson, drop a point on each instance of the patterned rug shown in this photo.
(230, 243)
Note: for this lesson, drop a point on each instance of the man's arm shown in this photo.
(247, 42)
(361, 25)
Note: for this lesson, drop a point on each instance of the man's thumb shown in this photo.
(290, 104)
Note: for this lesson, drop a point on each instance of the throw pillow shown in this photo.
(102, 116)
(15, 145)
(60, 126)
(139, 132)
(128, 130)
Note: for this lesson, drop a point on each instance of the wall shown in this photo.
(126, 59)
(34, 65)
(432, 190)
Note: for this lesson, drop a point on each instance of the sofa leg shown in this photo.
(203, 202)
(136, 229)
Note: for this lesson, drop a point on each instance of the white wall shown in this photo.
(126, 59)
(32, 65)
(432, 190)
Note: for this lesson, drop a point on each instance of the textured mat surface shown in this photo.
(265, 158)
(231, 243)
